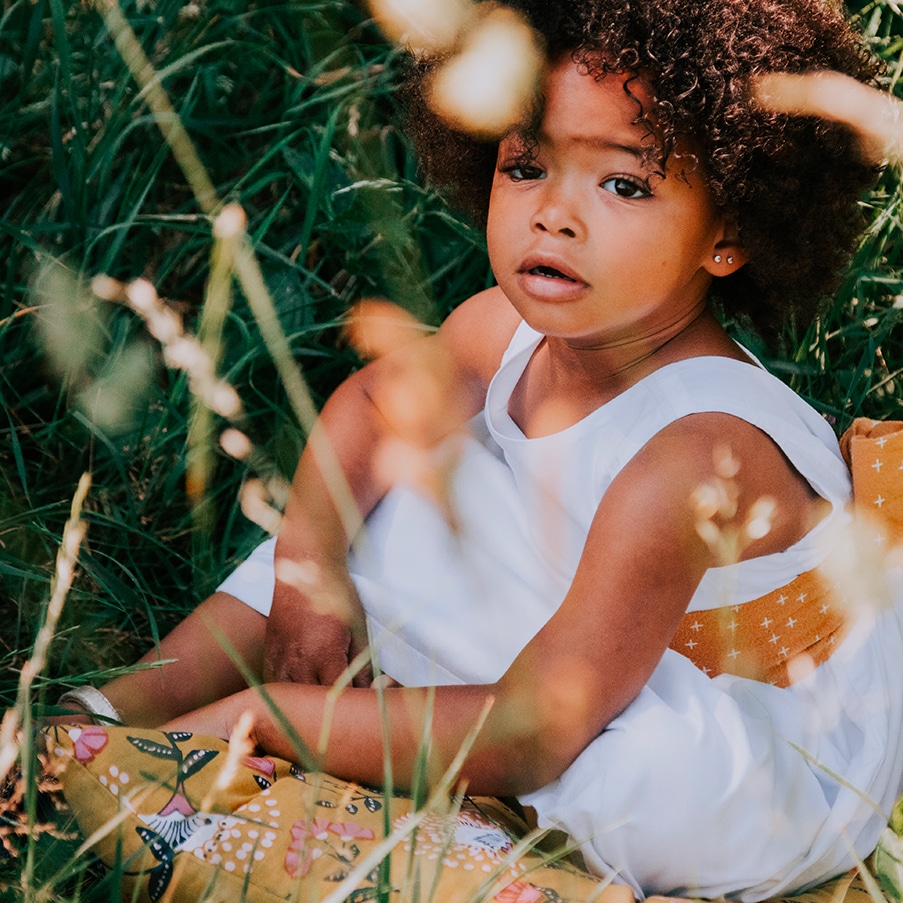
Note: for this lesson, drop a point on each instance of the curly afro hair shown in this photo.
(792, 184)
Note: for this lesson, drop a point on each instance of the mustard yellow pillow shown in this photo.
(159, 808)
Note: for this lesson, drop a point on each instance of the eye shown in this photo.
(524, 173)
(625, 187)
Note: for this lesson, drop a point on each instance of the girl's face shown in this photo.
(589, 243)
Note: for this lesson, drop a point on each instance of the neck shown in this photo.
(612, 364)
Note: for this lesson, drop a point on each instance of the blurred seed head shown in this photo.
(858, 561)
(300, 574)
(256, 507)
(222, 399)
(70, 324)
(231, 222)
(422, 25)
(278, 488)
(235, 444)
(110, 383)
(875, 115)
(726, 465)
(760, 518)
(114, 399)
(374, 327)
(240, 748)
(715, 505)
(489, 85)
(142, 296)
(417, 394)
(180, 350)
(800, 667)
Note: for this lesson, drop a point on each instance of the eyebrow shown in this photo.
(635, 150)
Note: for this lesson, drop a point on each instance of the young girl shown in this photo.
(697, 726)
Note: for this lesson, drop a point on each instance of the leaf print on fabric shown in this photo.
(195, 761)
(87, 742)
(152, 748)
(160, 875)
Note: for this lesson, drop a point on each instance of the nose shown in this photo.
(558, 213)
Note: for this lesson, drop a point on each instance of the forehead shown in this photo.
(581, 109)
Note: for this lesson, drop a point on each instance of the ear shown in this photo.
(728, 254)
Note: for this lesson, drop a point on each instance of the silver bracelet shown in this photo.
(92, 701)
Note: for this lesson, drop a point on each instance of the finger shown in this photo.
(363, 676)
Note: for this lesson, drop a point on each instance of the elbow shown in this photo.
(527, 745)
(516, 765)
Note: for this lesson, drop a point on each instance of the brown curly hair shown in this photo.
(792, 184)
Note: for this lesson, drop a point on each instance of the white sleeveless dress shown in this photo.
(701, 786)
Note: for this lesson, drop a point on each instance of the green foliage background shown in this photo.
(290, 106)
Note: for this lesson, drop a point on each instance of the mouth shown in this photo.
(551, 267)
(550, 273)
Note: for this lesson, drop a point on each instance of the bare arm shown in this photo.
(642, 562)
(316, 625)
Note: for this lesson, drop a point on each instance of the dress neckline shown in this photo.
(520, 351)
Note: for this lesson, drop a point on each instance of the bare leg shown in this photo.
(203, 671)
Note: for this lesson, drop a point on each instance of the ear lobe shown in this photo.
(728, 254)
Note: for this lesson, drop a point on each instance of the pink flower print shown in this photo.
(179, 804)
(298, 863)
(350, 831)
(301, 830)
(519, 891)
(88, 742)
(300, 856)
(264, 766)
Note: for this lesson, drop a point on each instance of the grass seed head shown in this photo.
(487, 88)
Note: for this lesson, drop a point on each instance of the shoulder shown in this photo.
(478, 331)
(720, 468)
(489, 308)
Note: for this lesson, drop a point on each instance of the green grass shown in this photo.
(290, 107)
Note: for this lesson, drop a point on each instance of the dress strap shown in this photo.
(780, 637)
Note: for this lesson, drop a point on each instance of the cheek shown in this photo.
(498, 227)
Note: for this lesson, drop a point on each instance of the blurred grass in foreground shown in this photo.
(290, 108)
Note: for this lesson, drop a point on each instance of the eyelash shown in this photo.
(522, 172)
(638, 185)
(517, 172)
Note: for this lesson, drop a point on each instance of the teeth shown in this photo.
(550, 273)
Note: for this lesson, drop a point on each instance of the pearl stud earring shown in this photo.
(717, 258)
(730, 259)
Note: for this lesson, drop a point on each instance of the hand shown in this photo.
(316, 626)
